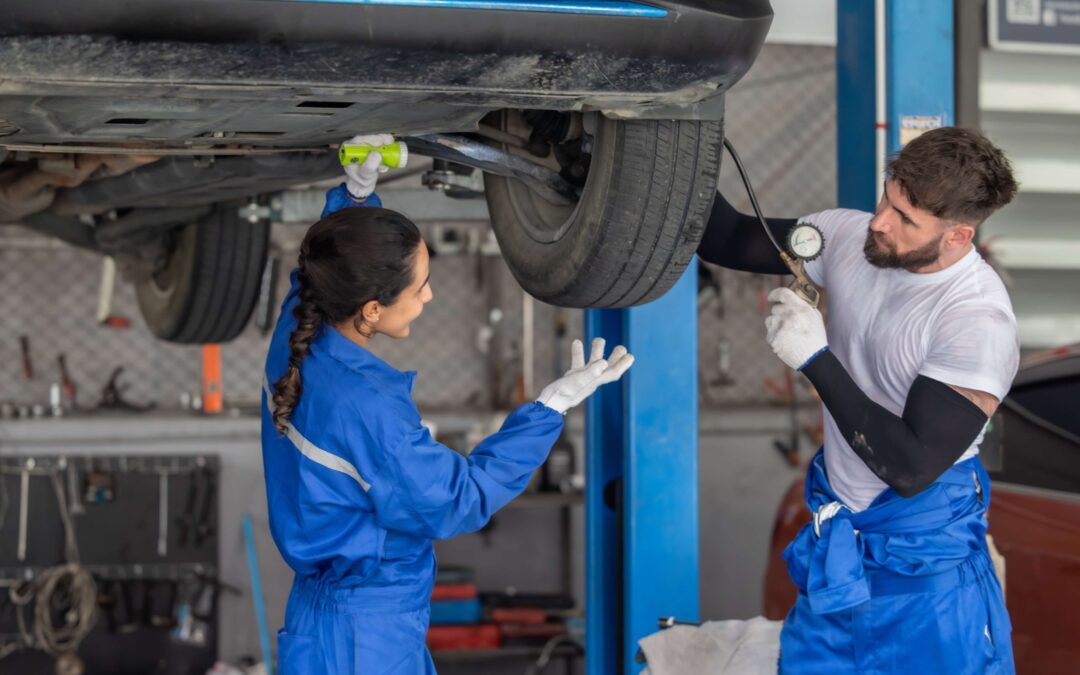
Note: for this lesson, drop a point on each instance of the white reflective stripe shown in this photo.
(312, 451)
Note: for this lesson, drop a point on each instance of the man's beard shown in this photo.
(884, 255)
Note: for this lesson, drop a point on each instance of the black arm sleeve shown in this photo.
(909, 452)
(736, 240)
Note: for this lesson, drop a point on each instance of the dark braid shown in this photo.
(287, 390)
(347, 259)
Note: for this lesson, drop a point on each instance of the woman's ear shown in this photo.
(370, 311)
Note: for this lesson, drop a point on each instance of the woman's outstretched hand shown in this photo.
(583, 378)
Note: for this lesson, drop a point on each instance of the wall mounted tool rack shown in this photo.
(145, 527)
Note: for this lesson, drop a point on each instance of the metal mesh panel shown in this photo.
(51, 297)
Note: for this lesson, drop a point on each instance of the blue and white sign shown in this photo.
(1045, 26)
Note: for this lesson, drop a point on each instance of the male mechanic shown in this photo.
(921, 346)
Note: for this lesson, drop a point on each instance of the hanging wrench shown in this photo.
(163, 513)
(75, 506)
(24, 506)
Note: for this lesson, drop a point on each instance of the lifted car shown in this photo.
(139, 130)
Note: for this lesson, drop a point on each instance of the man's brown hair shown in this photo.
(956, 174)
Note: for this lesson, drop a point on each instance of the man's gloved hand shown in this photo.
(795, 330)
(583, 378)
(363, 176)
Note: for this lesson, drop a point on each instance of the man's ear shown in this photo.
(961, 234)
(370, 311)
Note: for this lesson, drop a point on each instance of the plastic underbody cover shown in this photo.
(292, 74)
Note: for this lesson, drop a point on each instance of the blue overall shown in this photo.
(338, 198)
(905, 586)
(357, 492)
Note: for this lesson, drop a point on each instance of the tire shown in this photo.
(208, 288)
(647, 196)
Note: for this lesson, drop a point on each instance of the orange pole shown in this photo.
(211, 379)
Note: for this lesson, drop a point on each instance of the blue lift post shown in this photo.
(919, 90)
(641, 495)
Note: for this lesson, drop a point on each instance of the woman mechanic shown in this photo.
(358, 489)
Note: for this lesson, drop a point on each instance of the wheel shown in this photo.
(208, 287)
(648, 188)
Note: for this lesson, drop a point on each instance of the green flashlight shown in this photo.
(393, 155)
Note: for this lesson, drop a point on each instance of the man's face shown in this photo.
(902, 236)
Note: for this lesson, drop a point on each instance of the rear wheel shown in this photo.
(208, 288)
(647, 190)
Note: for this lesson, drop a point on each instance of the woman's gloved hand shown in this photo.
(361, 178)
(794, 329)
(583, 378)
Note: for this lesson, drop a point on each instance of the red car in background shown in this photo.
(1032, 452)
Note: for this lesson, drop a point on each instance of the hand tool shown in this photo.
(24, 507)
(163, 514)
(185, 522)
(204, 526)
(75, 506)
(163, 604)
(112, 395)
(27, 364)
(669, 621)
(67, 384)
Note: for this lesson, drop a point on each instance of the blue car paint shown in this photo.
(598, 7)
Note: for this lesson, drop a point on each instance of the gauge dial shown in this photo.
(805, 241)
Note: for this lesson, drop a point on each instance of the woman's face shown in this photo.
(394, 320)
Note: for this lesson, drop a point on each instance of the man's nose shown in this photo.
(879, 223)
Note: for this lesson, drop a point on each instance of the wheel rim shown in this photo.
(543, 221)
(163, 284)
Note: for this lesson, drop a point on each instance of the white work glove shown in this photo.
(794, 330)
(361, 178)
(583, 378)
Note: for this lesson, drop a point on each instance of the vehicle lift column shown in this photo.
(641, 480)
(906, 49)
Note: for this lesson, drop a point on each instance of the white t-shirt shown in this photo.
(888, 326)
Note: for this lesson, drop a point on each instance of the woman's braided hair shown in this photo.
(347, 259)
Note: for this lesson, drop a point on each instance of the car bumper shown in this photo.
(418, 69)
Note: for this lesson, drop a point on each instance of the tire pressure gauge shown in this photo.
(805, 242)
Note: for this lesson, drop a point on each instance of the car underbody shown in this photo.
(117, 127)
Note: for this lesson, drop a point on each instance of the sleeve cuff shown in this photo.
(542, 408)
(812, 357)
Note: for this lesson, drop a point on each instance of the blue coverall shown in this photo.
(358, 490)
(905, 586)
